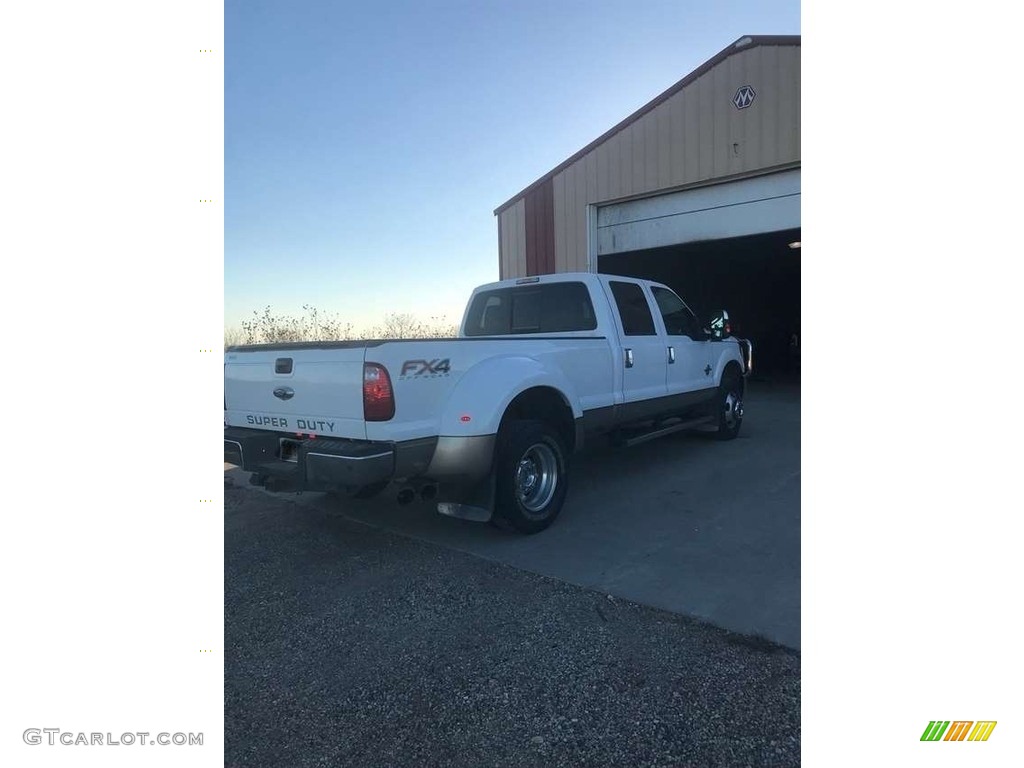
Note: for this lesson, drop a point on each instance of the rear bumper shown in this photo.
(333, 464)
(322, 464)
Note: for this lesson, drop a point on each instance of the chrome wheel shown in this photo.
(532, 476)
(536, 477)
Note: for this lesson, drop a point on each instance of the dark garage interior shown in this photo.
(755, 278)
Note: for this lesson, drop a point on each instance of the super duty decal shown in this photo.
(312, 425)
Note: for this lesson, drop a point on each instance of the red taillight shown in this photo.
(378, 397)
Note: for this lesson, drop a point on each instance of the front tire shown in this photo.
(730, 407)
(532, 476)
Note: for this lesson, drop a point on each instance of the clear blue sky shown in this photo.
(367, 145)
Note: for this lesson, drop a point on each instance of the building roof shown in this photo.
(742, 44)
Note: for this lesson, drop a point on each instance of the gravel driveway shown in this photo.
(347, 645)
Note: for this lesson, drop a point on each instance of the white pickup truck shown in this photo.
(485, 423)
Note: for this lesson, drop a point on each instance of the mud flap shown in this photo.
(474, 503)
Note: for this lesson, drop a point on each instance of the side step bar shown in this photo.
(629, 439)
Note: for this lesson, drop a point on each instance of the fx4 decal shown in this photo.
(426, 368)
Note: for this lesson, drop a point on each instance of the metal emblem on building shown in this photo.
(744, 97)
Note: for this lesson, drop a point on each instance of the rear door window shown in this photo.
(537, 308)
(634, 311)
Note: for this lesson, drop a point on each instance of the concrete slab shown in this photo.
(683, 523)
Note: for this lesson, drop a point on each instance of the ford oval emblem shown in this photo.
(284, 393)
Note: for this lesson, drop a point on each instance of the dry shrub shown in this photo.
(314, 325)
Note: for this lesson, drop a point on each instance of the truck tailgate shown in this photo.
(310, 391)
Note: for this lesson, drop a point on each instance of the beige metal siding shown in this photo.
(573, 188)
(558, 188)
(694, 136)
(770, 112)
(591, 176)
(736, 138)
(789, 106)
(663, 123)
(512, 246)
(753, 128)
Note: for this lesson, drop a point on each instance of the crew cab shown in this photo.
(485, 423)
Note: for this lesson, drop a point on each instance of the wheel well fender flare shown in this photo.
(733, 368)
(482, 397)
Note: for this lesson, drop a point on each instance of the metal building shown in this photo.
(699, 189)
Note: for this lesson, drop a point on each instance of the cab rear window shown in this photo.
(551, 308)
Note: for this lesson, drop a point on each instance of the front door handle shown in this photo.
(629, 358)
(671, 355)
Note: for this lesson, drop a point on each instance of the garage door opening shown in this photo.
(756, 278)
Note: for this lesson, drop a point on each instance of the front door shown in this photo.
(690, 367)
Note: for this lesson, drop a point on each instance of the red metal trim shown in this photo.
(501, 254)
(548, 216)
(530, 215)
(539, 206)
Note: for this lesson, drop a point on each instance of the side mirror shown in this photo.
(720, 327)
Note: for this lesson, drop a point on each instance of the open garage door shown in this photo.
(756, 278)
(753, 206)
(732, 246)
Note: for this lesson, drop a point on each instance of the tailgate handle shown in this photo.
(283, 365)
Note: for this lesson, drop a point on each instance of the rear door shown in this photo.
(643, 352)
(303, 390)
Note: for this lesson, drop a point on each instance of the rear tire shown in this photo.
(532, 476)
(730, 406)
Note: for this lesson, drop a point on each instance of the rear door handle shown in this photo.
(629, 358)
(671, 355)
